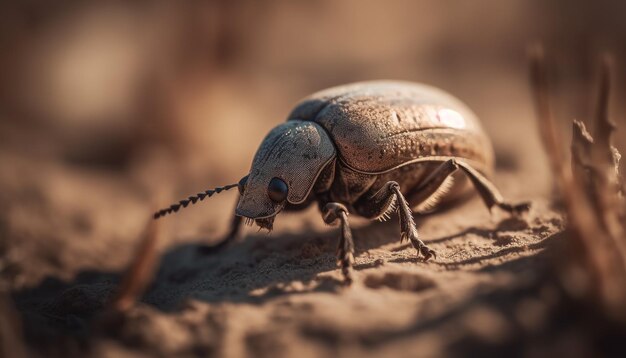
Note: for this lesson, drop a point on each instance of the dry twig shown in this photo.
(11, 341)
(140, 271)
(596, 269)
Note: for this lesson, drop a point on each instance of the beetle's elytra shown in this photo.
(370, 149)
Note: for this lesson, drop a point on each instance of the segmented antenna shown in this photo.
(192, 200)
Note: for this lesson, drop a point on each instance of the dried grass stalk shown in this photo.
(140, 271)
(595, 268)
(11, 341)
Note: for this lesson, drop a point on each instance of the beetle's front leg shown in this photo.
(332, 212)
(235, 226)
(386, 200)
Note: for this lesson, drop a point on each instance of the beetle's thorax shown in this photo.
(295, 152)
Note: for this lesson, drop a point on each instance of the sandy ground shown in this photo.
(267, 295)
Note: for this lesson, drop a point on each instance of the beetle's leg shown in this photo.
(489, 193)
(332, 212)
(382, 203)
(426, 196)
(235, 226)
(485, 188)
(408, 230)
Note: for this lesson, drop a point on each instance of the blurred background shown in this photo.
(109, 109)
(114, 85)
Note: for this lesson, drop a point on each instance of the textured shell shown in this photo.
(296, 152)
(382, 125)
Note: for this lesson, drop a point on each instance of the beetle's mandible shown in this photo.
(370, 149)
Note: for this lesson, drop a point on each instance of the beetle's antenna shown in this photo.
(192, 200)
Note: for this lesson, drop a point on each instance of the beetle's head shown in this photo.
(284, 170)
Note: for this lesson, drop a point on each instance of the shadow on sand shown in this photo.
(252, 270)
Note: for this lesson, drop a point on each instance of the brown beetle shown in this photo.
(370, 149)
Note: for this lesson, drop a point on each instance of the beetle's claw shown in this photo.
(428, 253)
(347, 279)
(515, 209)
(522, 207)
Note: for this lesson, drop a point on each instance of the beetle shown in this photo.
(370, 149)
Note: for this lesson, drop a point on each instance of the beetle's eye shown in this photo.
(277, 190)
(242, 184)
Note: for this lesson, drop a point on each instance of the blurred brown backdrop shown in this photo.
(103, 83)
(144, 101)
